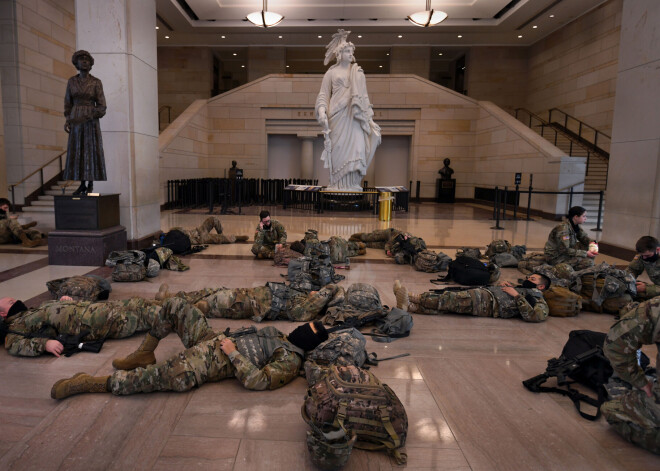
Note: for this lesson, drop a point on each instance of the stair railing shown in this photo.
(593, 136)
(40, 171)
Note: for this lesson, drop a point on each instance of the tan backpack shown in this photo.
(562, 302)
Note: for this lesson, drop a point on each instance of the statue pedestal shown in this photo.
(445, 190)
(87, 230)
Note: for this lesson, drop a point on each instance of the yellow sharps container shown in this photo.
(385, 206)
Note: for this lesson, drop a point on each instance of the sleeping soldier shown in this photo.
(203, 233)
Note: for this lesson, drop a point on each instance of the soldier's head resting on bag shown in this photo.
(10, 307)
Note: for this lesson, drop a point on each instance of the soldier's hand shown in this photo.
(66, 298)
(54, 347)
(506, 283)
(510, 291)
(227, 346)
(278, 247)
(261, 226)
(641, 287)
(591, 254)
(647, 389)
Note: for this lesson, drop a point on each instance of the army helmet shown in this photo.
(330, 450)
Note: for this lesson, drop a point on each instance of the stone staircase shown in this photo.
(46, 203)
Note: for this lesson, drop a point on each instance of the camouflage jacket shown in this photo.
(639, 326)
(563, 242)
(638, 265)
(508, 306)
(281, 368)
(275, 235)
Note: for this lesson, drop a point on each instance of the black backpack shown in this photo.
(582, 360)
(468, 271)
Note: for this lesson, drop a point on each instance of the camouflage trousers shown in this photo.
(11, 230)
(578, 263)
(203, 235)
(202, 361)
(119, 319)
(376, 239)
(476, 301)
(636, 418)
(263, 251)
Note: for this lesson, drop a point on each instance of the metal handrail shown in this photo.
(40, 170)
(582, 125)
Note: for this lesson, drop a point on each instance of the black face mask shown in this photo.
(652, 259)
(528, 284)
(267, 227)
(17, 307)
(306, 339)
(3, 212)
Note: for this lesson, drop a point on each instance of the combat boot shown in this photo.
(27, 242)
(143, 356)
(29, 225)
(231, 239)
(163, 293)
(362, 248)
(80, 383)
(357, 237)
(203, 306)
(241, 238)
(401, 294)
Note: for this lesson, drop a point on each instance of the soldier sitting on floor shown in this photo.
(203, 234)
(636, 415)
(260, 359)
(568, 243)
(647, 259)
(503, 301)
(272, 301)
(269, 237)
(11, 232)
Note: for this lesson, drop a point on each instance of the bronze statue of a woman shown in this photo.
(84, 104)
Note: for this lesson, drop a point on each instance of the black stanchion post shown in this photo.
(506, 190)
(211, 194)
(529, 196)
(417, 190)
(497, 209)
(516, 200)
(570, 198)
(600, 210)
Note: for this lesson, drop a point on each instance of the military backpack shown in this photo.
(498, 246)
(603, 282)
(468, 271)
(311, 273)
(431, 262)
(353, 399)
(345, 347)
(562, 302)
(129, 272)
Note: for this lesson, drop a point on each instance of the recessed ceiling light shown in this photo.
(519, 36)
(387, 54)
(400, 36)
(167, 37)
(287, 66)
(222, 37)
(459, 36)
(534, 27)
(157, 27)
(242, 67)
(280, 37)
(319, 36)
(552, 16)
(234, 54)
(439, 53)
(380, 66)
(359, 36)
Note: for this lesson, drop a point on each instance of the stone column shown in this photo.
(632, 204)
(121, 35)
(307, 157)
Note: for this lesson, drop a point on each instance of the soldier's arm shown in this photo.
(622, 342)
(652, 291)
(259, 237)
(583, 238)
(536, 313)
(636, 267)
(282, 368)
(21, 346)
(281, 234)
(316, 301)
(564, 246)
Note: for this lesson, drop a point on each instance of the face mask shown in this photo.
(17, 307)
(267, 226)
(528, 284)
(3, 212)
(652, 259)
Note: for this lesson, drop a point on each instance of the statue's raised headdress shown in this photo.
(337, 43)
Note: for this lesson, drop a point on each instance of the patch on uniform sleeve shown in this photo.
(566, 237)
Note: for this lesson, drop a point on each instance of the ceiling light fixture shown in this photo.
(459, 36)
(519, 36)
(157, 27)
(223, 36)
(428, 17)
(264, 18)
(167, 37)
(534, 27)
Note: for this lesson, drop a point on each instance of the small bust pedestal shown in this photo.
(445, 190)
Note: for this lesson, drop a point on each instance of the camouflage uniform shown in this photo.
(637, 267)
(203, 235)
(80, 288)
(634, 415)
(378, 239)
(485, 302)
(564, 245)
(342, 249)
(257, 303)
(401, 255)
(11, 230)
(265, 240)
(110, 319)
(274, 363)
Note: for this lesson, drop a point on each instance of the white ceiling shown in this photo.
(379, 22)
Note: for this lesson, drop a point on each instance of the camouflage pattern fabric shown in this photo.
(282, 257)
(431, 262)
(129, 272)
(204, 361)
(473, 252)
(635, 416)
(404, 248)
(104, 320)
(153, 268)
(265, 240)
(80, 288)
(481, 302)
(342, 249)
(203, 235)
(330, 450)
(378, 239)
(564, 245)
(125, 256)
(498, 246)
(530, 262)
(345, 347)
(638, 266)
(11, 230)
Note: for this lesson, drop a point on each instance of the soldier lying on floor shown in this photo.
(203, 233)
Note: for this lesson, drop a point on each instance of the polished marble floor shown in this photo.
(461, 385)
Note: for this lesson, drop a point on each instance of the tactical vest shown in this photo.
(258, 346)
(278, 302)
(507, 304)
(615, 283)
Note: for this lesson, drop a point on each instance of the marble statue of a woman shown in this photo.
(344, 112)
